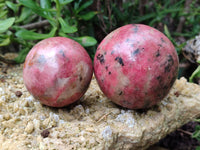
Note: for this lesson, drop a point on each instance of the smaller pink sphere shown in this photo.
(57, 71)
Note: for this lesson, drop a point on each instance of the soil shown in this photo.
(180, 139)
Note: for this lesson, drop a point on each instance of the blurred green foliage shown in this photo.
(196, 134)
(24, 22)
(155, 13)
(62, 17)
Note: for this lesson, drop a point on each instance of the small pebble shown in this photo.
(18, 93)
(45, 133)
(29, 128)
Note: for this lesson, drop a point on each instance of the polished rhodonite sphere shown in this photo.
(136, 66)
(57, 71)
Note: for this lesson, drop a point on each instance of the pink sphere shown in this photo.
(136, 66)
(57, 71)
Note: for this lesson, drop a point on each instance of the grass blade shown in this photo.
(35, 7)
(65, 27)
(5, 24)
(30, 35)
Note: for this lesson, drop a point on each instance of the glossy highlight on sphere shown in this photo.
(136, 66)
(57, 71)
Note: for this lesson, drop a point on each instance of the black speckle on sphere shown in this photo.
(101, 59)
(119, 60)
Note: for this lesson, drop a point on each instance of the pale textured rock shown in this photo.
(94, 122)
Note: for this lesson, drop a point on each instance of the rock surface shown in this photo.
(93, 122)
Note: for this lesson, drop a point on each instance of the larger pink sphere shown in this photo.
(135, 66)
(57, 71)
